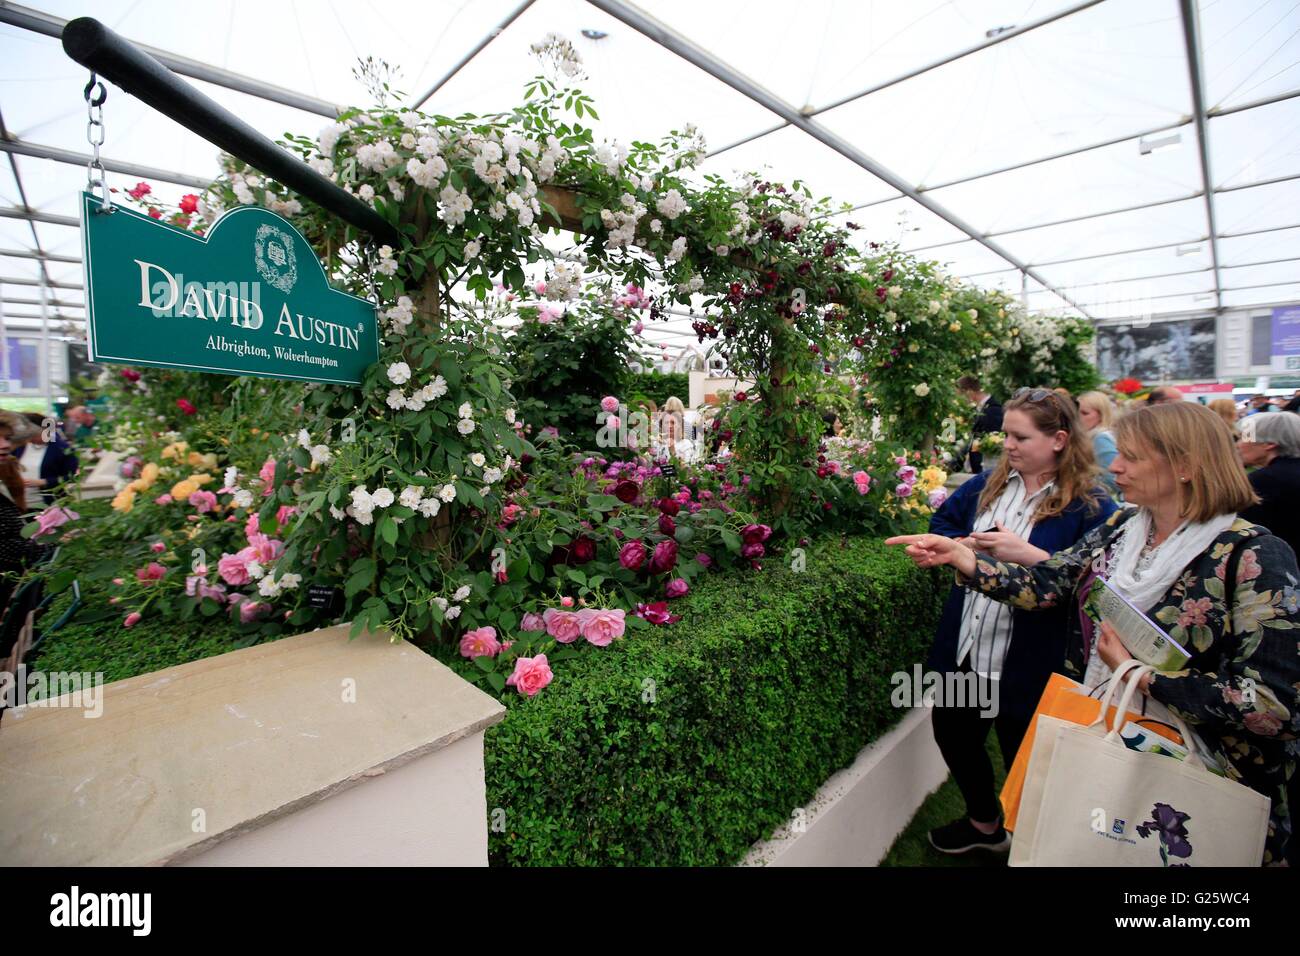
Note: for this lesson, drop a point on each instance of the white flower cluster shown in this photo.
(558, 52)
(612, 156)
(329, 138)
(564, 281)
(379, 156)
(285, 207)
(466, 424)
(622, 223)
(399, 316)
(400, 373)
(671, 204)
(453, 204)
(552, 156)
(243, 184)
(270, 587)
(320, 454)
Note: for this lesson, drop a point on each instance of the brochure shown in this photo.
(1144, 638)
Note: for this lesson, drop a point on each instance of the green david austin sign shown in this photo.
(249, 298)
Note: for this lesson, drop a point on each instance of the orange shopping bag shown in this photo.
(1066, 700)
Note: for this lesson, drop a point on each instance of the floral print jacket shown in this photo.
(1241, 688)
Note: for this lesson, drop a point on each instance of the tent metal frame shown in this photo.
(52, 26)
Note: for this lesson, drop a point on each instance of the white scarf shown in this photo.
(1146, 585)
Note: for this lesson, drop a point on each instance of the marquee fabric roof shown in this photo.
(1109, 158)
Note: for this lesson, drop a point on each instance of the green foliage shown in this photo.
(658, 387)
(759, 695)
(565, 367)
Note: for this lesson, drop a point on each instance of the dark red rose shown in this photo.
(753, 551)
(667, 526)
(882, 293)
(627, 490)
(669, 506)
(664, 557)
(741, 396)
(828, 250)
(887, 275)
(632, 555)
(131, 375)
(189, 203)
(583, 550)
(859, 341)
(755, 533)
(185, 406)
(656, 613)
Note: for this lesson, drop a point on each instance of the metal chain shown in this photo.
(95, 94)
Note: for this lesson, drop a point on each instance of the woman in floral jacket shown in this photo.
(1226, 590)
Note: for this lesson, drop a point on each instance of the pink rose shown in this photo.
(251, 610)
(532, 622)
(233, 569)
(157, 547)
(564, 626)
(755, 533)
(938, 497)
(480, 642)
(600, 626)
(267, 474)
(52, 518)
(609, 403)
(284, 514)
(676, 588)
(203, 501)
(151, 572)
(531, 675)
(903, 491)
(252, 526)
(119, 581)
(907, 474)
(265, 549)
(163, 500)
(566, 602)
(132, 619)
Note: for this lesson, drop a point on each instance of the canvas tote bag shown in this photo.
(1103, 804)
(1067, 700)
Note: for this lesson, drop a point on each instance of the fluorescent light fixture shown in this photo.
(595, 34)
(1187, 250)
(998, 31)
(1148, 146)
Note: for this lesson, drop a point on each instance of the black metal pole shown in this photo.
(95, 46)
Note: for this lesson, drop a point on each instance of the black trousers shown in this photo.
(961, 732)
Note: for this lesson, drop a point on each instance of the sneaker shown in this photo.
(960, 836)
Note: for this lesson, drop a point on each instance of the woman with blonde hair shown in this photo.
(1221, 587)
(1226, 409)
(671, 429)
(1098, 416)
(1042, 496)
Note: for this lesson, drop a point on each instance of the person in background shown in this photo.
(16, 552)
(1220, 586)
(671, 428)
(1271, 444)
(1258, 404)
(1163, 395)
(46, 464)
(1226, 409)
(79, 424)
(1293, 404)
(1097, 415)
(988, 418)
(1065, 394)
(834, 427)
(1043, 496)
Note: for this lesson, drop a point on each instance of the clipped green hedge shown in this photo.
(106, 647)
(766, 687)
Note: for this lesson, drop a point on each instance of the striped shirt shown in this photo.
(985, 623)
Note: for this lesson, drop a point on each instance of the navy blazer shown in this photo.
(1037, 637)
(59, 465)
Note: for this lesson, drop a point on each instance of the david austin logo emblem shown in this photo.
(273, 253)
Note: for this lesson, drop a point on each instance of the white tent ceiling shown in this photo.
(1019, 122)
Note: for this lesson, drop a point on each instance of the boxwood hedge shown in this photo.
(687, 743)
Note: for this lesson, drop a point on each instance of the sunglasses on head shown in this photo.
(1039, 395)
